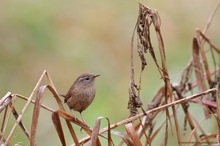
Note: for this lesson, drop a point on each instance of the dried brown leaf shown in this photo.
(124, 137)
(58, 127)
(36, 114)
(199, 69)
(95, 132)
(5, 101)
(132, 134)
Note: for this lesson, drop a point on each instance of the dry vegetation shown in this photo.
(200, 84)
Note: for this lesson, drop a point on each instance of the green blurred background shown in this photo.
(67, 38)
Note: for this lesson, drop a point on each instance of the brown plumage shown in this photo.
(81, 93)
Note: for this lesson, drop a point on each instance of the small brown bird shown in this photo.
(81, 93)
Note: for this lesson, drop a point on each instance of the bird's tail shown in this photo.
(63, 95)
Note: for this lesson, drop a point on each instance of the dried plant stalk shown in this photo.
(205, 85)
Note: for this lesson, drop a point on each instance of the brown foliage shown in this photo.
(175, 97)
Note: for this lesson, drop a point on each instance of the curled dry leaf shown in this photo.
(124, 137)
(95, 132)
(5, 101)
(132, 134)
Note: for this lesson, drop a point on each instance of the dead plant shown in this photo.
(200, 84)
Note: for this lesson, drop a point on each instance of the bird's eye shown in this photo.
(87, 78)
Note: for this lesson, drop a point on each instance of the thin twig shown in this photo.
(211, 18)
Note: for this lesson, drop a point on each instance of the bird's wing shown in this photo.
(71, 93)
(68, 95)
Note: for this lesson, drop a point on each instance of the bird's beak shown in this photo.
(96, 75)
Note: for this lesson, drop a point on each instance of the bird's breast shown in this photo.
(81, 99)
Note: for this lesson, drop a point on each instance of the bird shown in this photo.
(81, 93)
